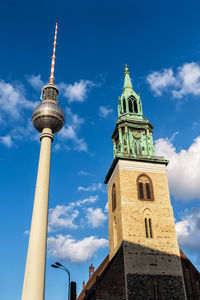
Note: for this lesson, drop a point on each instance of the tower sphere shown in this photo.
(48, 114)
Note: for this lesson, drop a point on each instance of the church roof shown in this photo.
(93, 278)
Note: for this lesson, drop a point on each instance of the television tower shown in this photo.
(48, 118)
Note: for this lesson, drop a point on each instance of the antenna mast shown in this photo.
(51, 79)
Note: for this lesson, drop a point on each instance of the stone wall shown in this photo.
(141, 287)
(111, 285)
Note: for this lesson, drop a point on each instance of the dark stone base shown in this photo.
(142, 287)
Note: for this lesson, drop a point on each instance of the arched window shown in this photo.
(145, 188)
(113, 197)
(130, 105)
(148, 228)
(124, 106)
(135, 106)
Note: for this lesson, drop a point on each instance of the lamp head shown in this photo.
(59, 264)
(54, 266)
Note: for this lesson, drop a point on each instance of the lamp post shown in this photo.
(58, 265)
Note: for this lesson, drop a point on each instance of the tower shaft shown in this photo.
(48, 118)
(34, 279)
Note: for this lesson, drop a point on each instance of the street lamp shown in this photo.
(58, 265)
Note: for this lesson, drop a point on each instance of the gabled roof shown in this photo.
(93, 278)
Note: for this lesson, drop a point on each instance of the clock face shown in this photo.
(136, 134)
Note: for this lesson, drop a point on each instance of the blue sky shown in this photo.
(160, 41)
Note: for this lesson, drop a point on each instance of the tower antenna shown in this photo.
(51, 79)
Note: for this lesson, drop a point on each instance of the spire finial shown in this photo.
(51, 80)
(126, 67)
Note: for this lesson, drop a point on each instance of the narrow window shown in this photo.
(156, 291)
(124, 105)
(146, 227)
(150, 229)
(113, 197)
(148, 191)
(141, 191)
(135, 107)
(130, 106)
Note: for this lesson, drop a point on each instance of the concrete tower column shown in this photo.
(48, 118)
(34, 279)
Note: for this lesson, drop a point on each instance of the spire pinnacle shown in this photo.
(51, 79)
(127, 79)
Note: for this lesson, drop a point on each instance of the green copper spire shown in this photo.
(129, 103)
(132, 137)
(127, 79)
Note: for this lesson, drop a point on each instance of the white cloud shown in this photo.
(106, 207)
(188, 231)
(76, 92)
(90, 199)
(105, 111)
(26, 232)
(160, 80)
(185, 82)
(84, 173)
(62, 217)
(25, 132)
(183, 171)
(19, 133)
(95, 217)
(6, 141)
(57, 147)
(35, 81)
(13, 101)
(189, 80)
(92, 188)
(70, 130)
(75, 251)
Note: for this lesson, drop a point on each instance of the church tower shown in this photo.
(141, 217)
